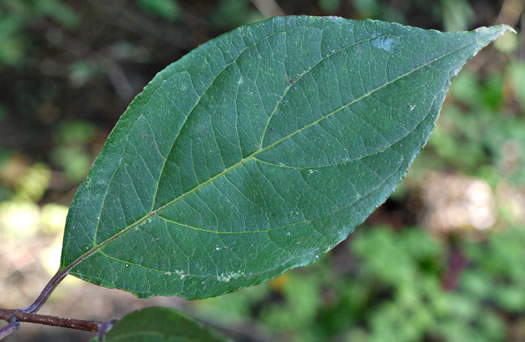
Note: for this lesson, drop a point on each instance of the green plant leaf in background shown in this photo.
(168, 9)
(159, 324)
(258, 152)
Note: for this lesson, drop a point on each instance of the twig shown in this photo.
(268, 8)
(20, 316)
(103, 328)
(29, 314)
(9, 329)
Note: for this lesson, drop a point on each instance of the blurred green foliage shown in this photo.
(476, 135)
(71, 140)
(19, 18)
(516, 74)
(329, 6)
(16, 16)
(30, 187)
(232, 13)
(379, 10)
(393, 290)
(457, 14)
(168, 9)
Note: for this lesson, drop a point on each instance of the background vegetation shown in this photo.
(442, 260)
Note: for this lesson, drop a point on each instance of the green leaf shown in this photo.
(168, 9)
(159, 324)
(258, 152)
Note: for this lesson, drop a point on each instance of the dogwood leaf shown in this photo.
(258, 152)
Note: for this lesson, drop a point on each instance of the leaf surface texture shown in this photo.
(159, 324)
(258, 152)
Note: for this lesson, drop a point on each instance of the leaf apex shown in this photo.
(493, 32)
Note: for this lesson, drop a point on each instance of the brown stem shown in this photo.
(54, 321)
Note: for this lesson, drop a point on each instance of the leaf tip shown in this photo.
(494, 31)
(504, 28)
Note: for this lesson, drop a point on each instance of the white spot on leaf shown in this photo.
(226, 277)
(180, 273)
(383, 43)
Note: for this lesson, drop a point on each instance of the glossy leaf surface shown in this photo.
(258, 152)
(159, 324)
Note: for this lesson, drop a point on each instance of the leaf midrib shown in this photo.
(252, 156)
(253, 232)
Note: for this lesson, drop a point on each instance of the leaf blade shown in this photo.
(159, 324)
(284, 172)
